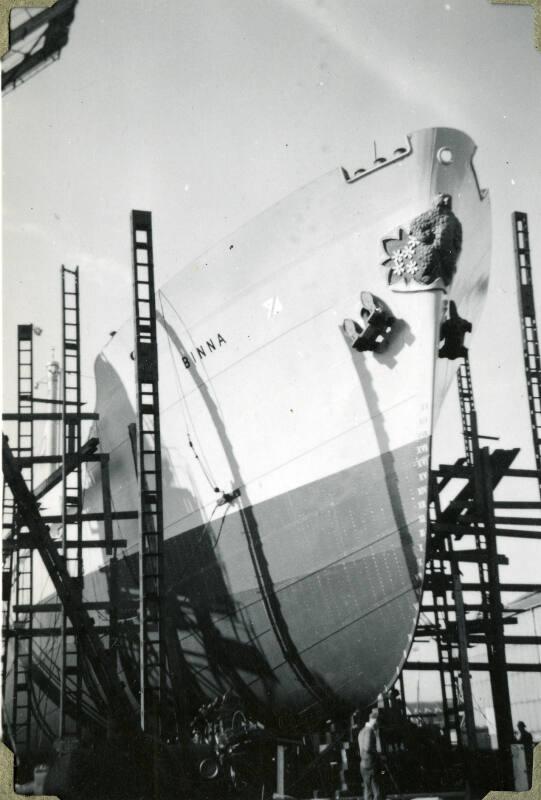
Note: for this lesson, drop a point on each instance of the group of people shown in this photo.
(371, 761)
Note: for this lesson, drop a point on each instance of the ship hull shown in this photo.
(295, 467)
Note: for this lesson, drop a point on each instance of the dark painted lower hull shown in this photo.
(290, 656)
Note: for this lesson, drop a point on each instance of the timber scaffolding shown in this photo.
(88, 683)
(457, 613)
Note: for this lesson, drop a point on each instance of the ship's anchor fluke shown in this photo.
(376, 325)
(452, 332)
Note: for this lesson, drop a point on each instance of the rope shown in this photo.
(219, 530)
(205, 470)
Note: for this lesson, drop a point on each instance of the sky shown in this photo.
(207, 112)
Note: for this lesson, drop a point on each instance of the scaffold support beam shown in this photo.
(72, 501)
(24, 565)
(149, 473)
(65, 587)
(528, 322)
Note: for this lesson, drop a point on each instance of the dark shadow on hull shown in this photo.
(196, 593)
(401, 336)
(387, 457)
(305, 676)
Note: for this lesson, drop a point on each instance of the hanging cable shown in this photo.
(215, 489)
(222, 521)
(184, 405)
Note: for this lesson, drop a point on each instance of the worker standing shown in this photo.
(526, 740)
(369, 757)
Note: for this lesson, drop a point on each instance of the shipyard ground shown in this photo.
(115, 773)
